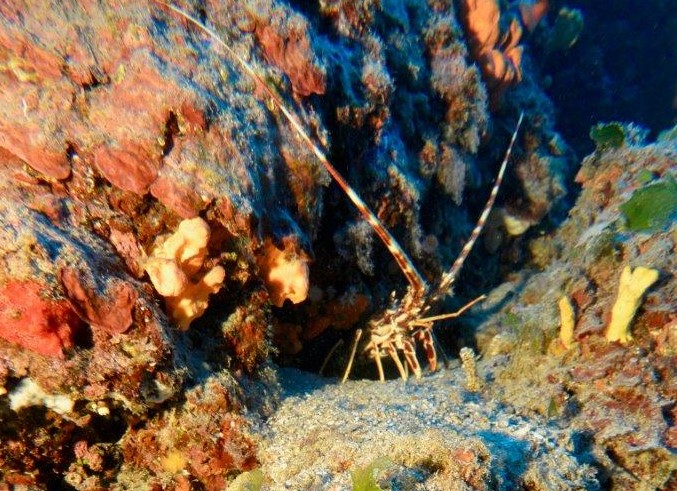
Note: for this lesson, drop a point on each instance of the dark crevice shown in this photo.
(71, 151)
(171, 130)
(83, 338)
(97, 79)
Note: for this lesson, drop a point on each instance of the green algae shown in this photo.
(568, 27)
(608, 135)
(364, 479)
(553, 410)
(645, 176)
(248, 481)
(512, 321)
(651, 207)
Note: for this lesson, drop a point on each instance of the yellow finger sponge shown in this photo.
(631, 288)
(568, 321)
(560, 345)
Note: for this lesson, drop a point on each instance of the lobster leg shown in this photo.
(329, 355)
(379, 365)
(358, 335)
(392, 351)
(440, 349)
(410, 355)
(425, 337)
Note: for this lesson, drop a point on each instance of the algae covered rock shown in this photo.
(614, 381)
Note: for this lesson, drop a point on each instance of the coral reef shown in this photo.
(425, 163)
(147, 184)
(103, 150)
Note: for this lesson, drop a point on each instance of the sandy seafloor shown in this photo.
(436, 434)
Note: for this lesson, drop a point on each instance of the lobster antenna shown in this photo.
(448, 279)
(404, 262)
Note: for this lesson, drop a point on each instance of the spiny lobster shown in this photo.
(405, 321)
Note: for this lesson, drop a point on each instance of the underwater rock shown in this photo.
(614, 385)
(284, 39)
(111, 309)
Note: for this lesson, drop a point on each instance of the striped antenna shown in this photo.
(449, 278)
(404, 262)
